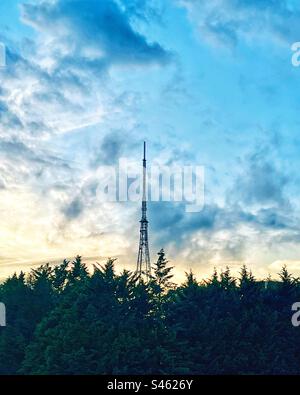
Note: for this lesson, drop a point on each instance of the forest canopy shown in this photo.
(64, 320)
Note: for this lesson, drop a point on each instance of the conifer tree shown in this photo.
(227, 281)
(161, 280)
(64, 320)
(78, 271)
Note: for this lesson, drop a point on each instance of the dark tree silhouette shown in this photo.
(65, 320)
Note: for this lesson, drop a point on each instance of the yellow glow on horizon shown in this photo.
(33, 232)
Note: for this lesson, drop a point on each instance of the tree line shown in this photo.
(64, 320)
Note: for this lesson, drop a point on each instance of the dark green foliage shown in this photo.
(63, 320)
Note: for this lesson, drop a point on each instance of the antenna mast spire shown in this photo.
(143, 261)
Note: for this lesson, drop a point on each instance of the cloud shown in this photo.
(262, 182)
(255, 214)
(170, 223)
(92, 33)
(227, 22)
(61, 80)
(74, 209)
(60, 83)
(110, 149)
(146, 10)
(258, 199)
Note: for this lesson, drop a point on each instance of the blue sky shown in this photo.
(204, 82)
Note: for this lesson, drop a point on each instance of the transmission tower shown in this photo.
(143, 261)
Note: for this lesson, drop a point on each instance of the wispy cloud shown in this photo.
(228, 22)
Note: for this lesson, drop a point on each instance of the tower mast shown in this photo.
(143, 260)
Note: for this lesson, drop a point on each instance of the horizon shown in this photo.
(178, 277)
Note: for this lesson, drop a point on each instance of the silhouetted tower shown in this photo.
(143, 261)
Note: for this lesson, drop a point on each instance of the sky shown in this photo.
(204, 82)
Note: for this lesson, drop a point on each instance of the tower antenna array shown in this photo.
(143, 260)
